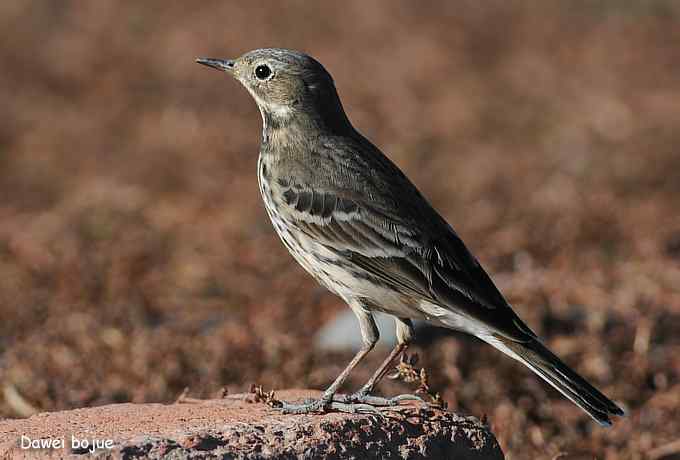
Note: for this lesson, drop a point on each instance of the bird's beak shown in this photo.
(225, 65)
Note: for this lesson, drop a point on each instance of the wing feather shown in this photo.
(403, 243)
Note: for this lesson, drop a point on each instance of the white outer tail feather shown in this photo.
(494, 342)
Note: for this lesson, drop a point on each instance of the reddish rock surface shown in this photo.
(239, 427)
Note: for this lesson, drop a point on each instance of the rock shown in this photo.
(238, 427)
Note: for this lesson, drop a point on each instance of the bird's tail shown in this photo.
(550, 368)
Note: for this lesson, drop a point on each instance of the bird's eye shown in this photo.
(262, 72)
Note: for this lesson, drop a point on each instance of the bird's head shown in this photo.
(286, 85)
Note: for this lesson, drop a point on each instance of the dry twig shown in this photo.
(407, 372)
(263, 396)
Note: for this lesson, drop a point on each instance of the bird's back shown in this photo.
(352, 219)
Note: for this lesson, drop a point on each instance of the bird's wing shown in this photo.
(369, 212)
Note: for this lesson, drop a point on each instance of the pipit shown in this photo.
(356, 223)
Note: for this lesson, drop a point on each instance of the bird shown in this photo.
(353, 220)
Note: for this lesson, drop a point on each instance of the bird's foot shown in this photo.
(326, 404)
(363, 398)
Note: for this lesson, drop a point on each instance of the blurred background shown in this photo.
(136, 258)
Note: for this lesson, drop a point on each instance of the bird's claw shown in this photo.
(376, 401)
(324, 405)
(307, 407)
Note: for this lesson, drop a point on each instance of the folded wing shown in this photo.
(388, 230)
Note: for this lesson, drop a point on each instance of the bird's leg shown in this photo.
(382, 370)
(370, 335)
(405, 335)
